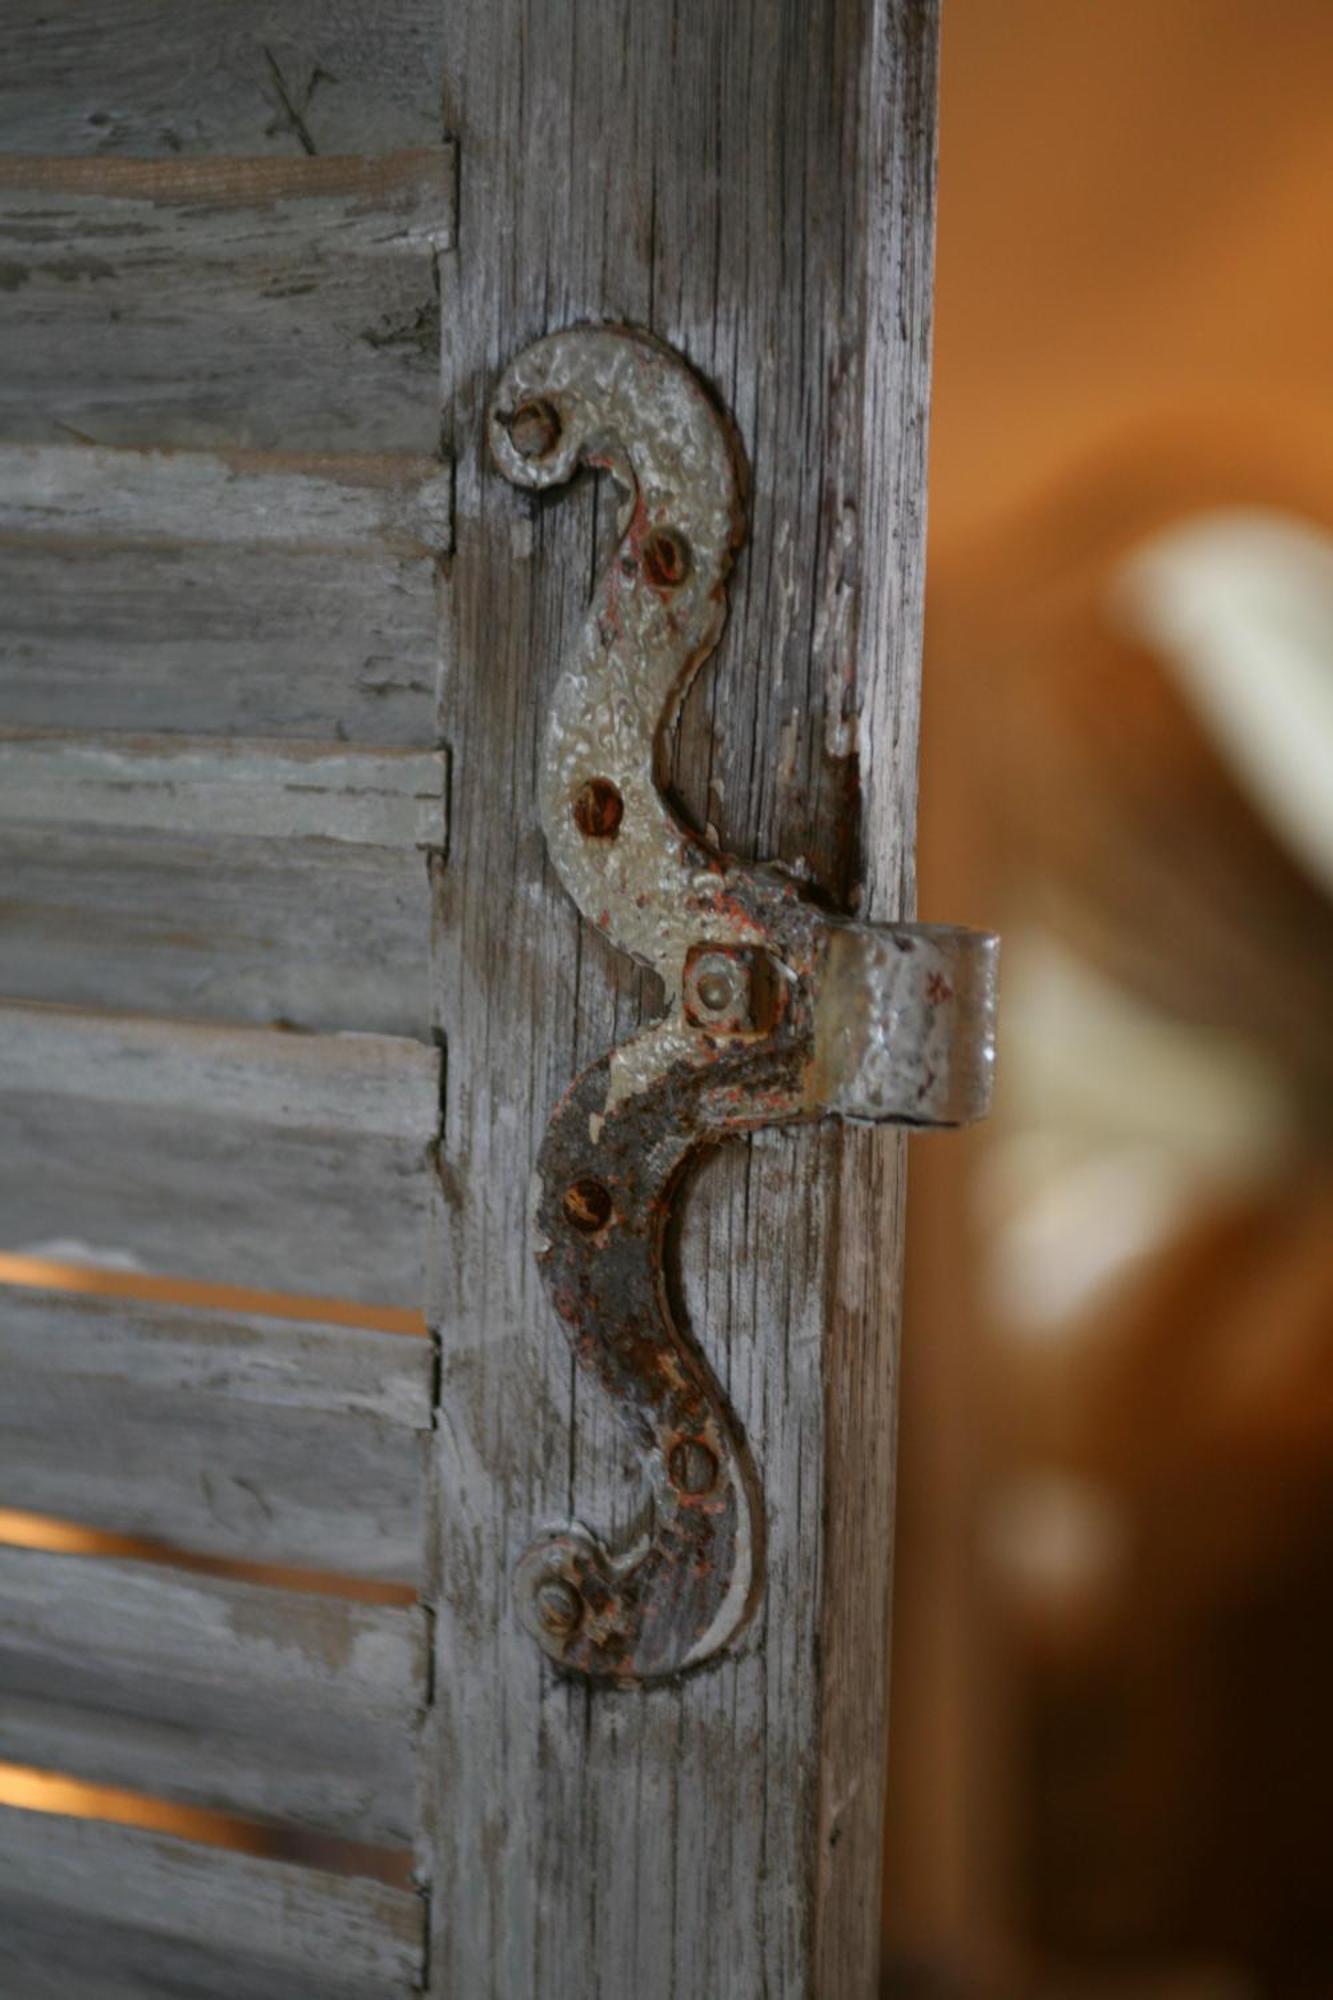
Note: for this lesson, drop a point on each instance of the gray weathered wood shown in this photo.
(260, 1439)
(253, 76)
(354, 1085)
(277, 1704)
(163, 298)
(183, 591)
(354, 503)
(213, 593)
(755, 185)
(283, 304)
(296, 1163)
(272, 791)
(373, 203)
(110, 1912)
(317, 935)
(252, 641)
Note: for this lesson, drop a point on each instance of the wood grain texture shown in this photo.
(302, 1162)
(253, 642)
(270, 1703)
(354, 503)
(272, 791)
(115, 1913)
(316, 935)
(262, 1440)
(753, 183)
(213, 596)
(219, 269)
(286, 77)
(283, 304)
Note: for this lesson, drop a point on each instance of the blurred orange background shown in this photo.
(1111, 1745)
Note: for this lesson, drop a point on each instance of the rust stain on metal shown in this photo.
(776, 1011)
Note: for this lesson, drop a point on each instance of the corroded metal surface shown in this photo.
(776, 1012)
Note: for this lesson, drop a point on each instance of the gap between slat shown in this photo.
(240, 182)
(32, 1790)
(22, 1530)
(48, 1274)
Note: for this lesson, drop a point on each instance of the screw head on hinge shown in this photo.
(558, 1607)
(534, 429)
(731, 990)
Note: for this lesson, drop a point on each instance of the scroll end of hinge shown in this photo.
(905, 1024)
(552, 1594)
(664, 1606)
(528, 426)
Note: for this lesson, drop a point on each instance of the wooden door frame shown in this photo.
(753, 183)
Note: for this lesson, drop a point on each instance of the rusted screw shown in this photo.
(558, 1606)
(692, 1467)
(534, 429)
(666, 559)
(598, 809)
(725, 990)
(587, 1206)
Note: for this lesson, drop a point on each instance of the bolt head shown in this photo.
(558, 1606)
(731, 990)
(534, 429)
(714, 992)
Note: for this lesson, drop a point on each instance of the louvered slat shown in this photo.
(190, 77)
(275, 1704)
(296, 1163)
(318, 935)
(107, 1912)
(171, 875)
(257, 1439)
(273, 791)
(286, 304)
(247, 590)
(355, 503)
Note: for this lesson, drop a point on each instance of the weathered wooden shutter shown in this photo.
(222, 800)
(275, 652)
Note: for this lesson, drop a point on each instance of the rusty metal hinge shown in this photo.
(775, 1012)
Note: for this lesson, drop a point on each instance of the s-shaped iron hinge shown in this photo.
(776, 1011)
